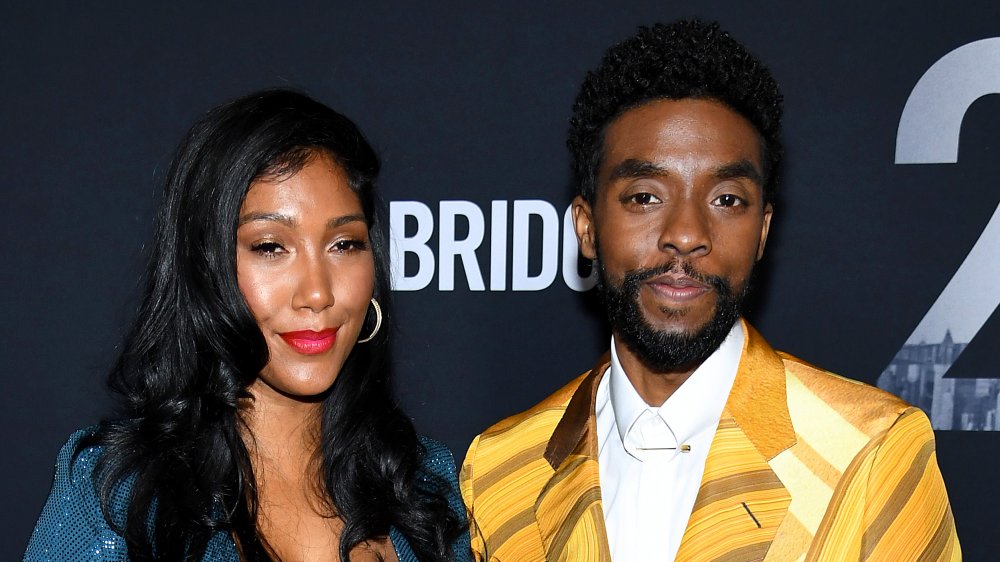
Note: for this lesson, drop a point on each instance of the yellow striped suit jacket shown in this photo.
(805, 465)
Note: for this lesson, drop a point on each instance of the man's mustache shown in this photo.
(634, 277)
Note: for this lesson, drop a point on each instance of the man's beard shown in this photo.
(662, 351)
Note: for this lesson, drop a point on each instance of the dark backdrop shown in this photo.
(472, 105)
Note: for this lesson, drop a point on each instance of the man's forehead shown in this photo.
(669, 138)
(667, 118)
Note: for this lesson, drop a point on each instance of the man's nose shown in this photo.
(685, 231)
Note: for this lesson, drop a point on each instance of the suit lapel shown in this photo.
(741, 501)
(568, 510)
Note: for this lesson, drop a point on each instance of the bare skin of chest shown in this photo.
(298, 529)
(295, 518)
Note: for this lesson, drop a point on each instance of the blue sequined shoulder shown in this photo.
(72, 525)
(439, 460)
(440, 473)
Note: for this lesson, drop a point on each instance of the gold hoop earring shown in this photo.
(378, 322)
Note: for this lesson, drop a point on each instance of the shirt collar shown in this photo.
(695, 406)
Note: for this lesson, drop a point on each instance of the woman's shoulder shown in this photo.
(72, 522)
(438, 459)
(440, 472)
(77, 462)
(87, 454)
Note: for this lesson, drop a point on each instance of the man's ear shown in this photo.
(583, 222)
(764, 229)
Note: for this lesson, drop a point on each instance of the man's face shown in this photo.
(677, 223)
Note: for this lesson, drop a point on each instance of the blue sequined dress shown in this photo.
(72, 526)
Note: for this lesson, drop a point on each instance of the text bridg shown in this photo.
(507, 252)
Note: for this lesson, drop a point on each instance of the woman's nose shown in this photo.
(314, 289)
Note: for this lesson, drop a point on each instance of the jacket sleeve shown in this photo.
(72, 526)
(907, 515)
(469, 496)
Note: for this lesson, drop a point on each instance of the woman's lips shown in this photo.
(308, 342)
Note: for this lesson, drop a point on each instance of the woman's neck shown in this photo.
(279, 429)
(296, 519)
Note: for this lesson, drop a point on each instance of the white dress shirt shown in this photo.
(648, 485)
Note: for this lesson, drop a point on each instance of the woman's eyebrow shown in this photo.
(291, 222)
(341, 221)
(271, 217)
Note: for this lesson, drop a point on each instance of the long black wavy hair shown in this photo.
(683, 59)
(194, 348)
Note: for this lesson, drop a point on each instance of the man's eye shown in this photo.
(643, 199)
(728, 200)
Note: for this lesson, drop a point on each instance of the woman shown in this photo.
(258, 419)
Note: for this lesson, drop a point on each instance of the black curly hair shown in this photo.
(684, 59)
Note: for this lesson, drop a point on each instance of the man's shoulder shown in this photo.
(504, 473)
(520, 440)
(545, 414)
(863, 406)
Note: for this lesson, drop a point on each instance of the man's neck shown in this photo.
(654, 387)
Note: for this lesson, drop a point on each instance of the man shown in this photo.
(693, 439)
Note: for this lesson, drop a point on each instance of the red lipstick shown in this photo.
(308, 342)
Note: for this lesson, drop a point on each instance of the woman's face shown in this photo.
(305, 266)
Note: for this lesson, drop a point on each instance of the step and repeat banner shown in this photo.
(883, 263)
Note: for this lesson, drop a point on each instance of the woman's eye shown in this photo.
(350, 245)
(728, 200)
(267, 249)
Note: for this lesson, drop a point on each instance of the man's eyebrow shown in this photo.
(272, 217)
(633, 168)
(742, 169)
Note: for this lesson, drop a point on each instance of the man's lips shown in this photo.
(308, 342)
(678, 287)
